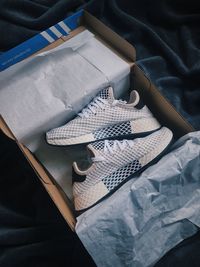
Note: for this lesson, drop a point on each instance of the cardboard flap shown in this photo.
(4, 128)
(112, 38)
(159, 106)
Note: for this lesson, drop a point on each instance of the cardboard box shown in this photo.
(160, 107)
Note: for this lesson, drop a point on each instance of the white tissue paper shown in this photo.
(49, 89)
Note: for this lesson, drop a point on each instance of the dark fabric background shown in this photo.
(32, 231)
(166, 35)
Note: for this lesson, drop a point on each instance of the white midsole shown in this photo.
(86, 138)
(137, 126)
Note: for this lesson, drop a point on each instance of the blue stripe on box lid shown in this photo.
(63, 28)
(39, 41)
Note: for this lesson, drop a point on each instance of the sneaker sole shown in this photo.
(126, 130)
(154, 160)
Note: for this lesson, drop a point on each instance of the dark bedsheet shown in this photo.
(166, 35)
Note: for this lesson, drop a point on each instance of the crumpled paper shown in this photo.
(150, 214)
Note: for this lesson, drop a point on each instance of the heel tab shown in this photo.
(135, 100)
(77, 175)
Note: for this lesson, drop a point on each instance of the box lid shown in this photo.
(50, 36)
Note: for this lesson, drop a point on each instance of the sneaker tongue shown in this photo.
(107, 93)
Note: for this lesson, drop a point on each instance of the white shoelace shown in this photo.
(97, 103)
(110, 149)
(117, 145)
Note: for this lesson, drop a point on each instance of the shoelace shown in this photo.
(117, 145)
(97, 103)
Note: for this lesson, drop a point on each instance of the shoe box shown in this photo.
(70, 27)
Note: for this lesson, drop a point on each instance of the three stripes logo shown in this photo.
(39, 41)
(55, 32)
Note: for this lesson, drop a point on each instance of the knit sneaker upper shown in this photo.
(114, 161)
(102, 112)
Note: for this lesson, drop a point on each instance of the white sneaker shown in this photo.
(106, 118)
(113, 163)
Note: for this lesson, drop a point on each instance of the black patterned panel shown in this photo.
(115, 130)
(114, 179)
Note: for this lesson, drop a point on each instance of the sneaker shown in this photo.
(113, 163)
(106, 118)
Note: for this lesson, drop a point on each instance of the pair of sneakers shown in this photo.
(124, 139)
